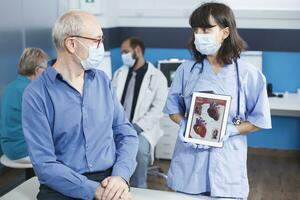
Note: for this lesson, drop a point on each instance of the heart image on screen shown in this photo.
(200, 127)
(198, 109)
(213, 111)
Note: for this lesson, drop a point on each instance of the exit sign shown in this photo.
(93, 6)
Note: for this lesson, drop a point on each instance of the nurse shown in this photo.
(216, 48)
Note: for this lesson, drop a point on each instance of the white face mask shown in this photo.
(128, 59)
(206, 44)
(95, 57)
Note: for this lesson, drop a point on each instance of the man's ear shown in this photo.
(135, 53)
(138, 51)
(70, 45)
(36, 71)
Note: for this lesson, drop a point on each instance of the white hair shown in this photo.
(68, 24)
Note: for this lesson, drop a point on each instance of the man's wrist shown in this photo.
(127, 183)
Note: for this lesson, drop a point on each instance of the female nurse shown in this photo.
(216, 48)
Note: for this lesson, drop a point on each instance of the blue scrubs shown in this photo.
(220, 171)
(12, 137)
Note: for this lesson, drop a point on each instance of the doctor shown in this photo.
(142, 90)
(216, 47)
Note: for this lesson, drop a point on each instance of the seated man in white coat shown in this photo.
(142, 90)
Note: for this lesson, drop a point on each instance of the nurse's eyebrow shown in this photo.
(203, 28)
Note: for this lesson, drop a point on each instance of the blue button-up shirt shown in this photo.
(69, 134)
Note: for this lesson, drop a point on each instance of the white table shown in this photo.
(29, 189)
(289, 105)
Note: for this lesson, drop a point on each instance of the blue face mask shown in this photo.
(206, 44)
(95, 57)
(128, 59)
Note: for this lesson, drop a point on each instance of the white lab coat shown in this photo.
(151, 100)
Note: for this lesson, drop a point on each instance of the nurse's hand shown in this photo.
(231, 130)
(181, 132)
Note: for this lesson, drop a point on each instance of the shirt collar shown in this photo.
(91, 73)
(53, 74)
(141, 69)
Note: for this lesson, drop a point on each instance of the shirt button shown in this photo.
(87, 147)
(90, 165)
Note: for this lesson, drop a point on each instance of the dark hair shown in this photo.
(232, 46)
(136, 42)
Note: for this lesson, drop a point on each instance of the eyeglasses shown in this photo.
(99, 41)
(42, 67)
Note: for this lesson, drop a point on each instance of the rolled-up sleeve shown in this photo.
(173, 104)
(258, 108)
(126, 142)
(49, 170)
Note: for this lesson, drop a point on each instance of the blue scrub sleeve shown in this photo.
(258, 108)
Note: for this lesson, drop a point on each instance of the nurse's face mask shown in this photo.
(128, 59)
(95, 56)
(209, 43)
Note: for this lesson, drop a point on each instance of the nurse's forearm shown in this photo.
(247, 127)
(176, 118)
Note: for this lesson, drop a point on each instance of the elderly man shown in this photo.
(79, 139)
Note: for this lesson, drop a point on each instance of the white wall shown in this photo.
(175, 13)
(105, 10)
(280, 14)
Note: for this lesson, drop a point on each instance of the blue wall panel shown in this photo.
(282, 69)
(285, 134)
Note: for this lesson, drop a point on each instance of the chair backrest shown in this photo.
(1, 151)
(12, 164)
